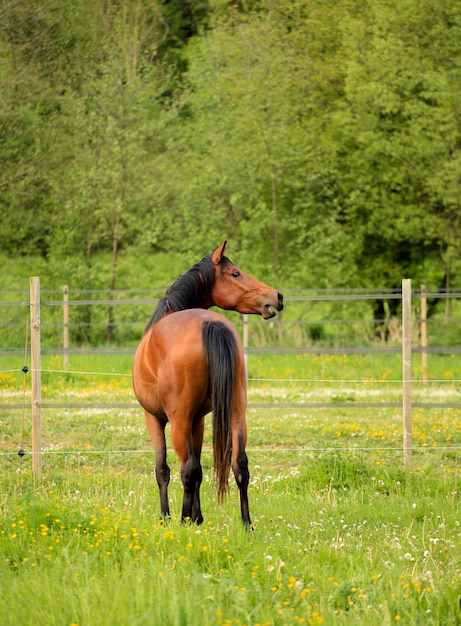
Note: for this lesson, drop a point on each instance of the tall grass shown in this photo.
(343, 535)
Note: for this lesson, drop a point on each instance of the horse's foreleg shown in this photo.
(242, 475)
(156, 430)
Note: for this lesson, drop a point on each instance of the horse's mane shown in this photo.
(186, 292)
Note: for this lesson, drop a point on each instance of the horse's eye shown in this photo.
(235, 273)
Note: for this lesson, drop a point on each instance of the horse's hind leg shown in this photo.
(197, 439)
(188, 448)
(156, 430)
(191, 476)
(242, 474)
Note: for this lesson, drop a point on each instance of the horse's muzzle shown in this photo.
(270, 309)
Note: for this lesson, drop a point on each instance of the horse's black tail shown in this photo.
(221, 352)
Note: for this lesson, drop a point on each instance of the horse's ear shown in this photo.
(218, 254)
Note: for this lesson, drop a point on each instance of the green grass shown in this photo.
(343, 534)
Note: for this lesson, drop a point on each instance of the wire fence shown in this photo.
(312, 343)
(314, 321)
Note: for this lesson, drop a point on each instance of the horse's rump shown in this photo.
(171, 365)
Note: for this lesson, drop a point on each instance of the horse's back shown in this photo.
(170, 367)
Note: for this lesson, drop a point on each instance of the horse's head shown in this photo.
(235, 290)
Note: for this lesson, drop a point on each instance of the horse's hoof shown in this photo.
(192, 520)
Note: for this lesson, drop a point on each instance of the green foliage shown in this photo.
(399, 84)
(320, 137)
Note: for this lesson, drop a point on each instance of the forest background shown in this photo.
(322, 138)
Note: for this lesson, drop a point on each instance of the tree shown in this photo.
(257, 161)
(28, 113)
(114, 126)
(399, 127)
(83, 115)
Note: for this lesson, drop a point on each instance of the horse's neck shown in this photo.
(179, 300)
(169, 304)
(192, 290)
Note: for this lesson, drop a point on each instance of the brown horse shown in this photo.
(190, 362)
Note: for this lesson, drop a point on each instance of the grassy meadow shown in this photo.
(342, 533)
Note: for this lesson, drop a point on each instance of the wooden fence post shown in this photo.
(245, 340)
(406, 371)
(65, 308)
(36, 374)
(424, 332)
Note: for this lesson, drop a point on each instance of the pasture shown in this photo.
(343, 534)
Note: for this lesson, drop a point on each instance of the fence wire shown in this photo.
(87, 299)
(251, 405)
